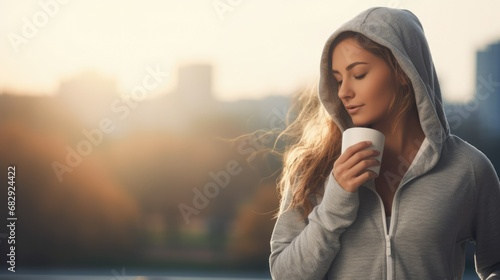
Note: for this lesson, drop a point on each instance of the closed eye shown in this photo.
(339, 83)
(360, 76)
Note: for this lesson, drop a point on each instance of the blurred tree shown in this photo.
(251, 231)
(88, 216)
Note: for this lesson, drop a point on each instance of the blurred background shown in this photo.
(119, 117)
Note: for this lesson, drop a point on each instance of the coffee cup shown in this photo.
(355, 135)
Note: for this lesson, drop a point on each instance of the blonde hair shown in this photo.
(315, 140)
(314, 148)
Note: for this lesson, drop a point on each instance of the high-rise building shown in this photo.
(195, 83)
(487, 91)
(88, 95)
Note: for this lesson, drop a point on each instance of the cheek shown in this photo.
(380, 90)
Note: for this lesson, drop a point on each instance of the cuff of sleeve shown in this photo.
(338, 209)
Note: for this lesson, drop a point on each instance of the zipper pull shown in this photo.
(388, 248)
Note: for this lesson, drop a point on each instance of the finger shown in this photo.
(360, 156)
(344, 166)
(363, 177)
(350, 151)
(352, 183)
(347, 173)
(363, 166)
(357, 170)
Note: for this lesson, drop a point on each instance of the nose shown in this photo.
(345, 91)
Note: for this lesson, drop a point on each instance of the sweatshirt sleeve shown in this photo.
(304, 248)
(487, 220)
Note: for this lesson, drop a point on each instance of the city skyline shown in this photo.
(256, 50)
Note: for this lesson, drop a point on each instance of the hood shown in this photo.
(401, 32)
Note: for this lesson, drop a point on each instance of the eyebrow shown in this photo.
(350, 66)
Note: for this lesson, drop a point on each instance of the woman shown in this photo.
(434, 193)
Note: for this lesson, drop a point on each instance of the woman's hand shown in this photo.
(350, 169)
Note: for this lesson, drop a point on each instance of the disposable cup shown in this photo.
(355, 135)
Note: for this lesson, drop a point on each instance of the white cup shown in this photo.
(355, 135)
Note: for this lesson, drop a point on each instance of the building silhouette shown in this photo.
(487, 91)
(88, 95)
(195, 83)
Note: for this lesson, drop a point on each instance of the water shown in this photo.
(123, 276)
(66, 277)
(469, 275)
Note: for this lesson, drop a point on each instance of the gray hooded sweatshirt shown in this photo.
(449, 195)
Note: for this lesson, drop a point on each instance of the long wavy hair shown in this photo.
(315, 140)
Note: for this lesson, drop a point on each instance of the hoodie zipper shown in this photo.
(387, 232)
(388, 256)
(395, 201)
(388, 239)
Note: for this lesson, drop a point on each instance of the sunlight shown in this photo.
(256, 49)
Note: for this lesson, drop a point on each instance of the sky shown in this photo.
(257, 47)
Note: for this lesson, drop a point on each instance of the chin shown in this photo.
(362, 123)
(359, 121)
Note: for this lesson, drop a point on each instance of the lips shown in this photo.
(351, 109)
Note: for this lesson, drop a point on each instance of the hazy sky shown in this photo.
(257, 47)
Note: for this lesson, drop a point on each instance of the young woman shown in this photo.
(435, 192)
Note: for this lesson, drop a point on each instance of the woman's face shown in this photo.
(365, 83)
